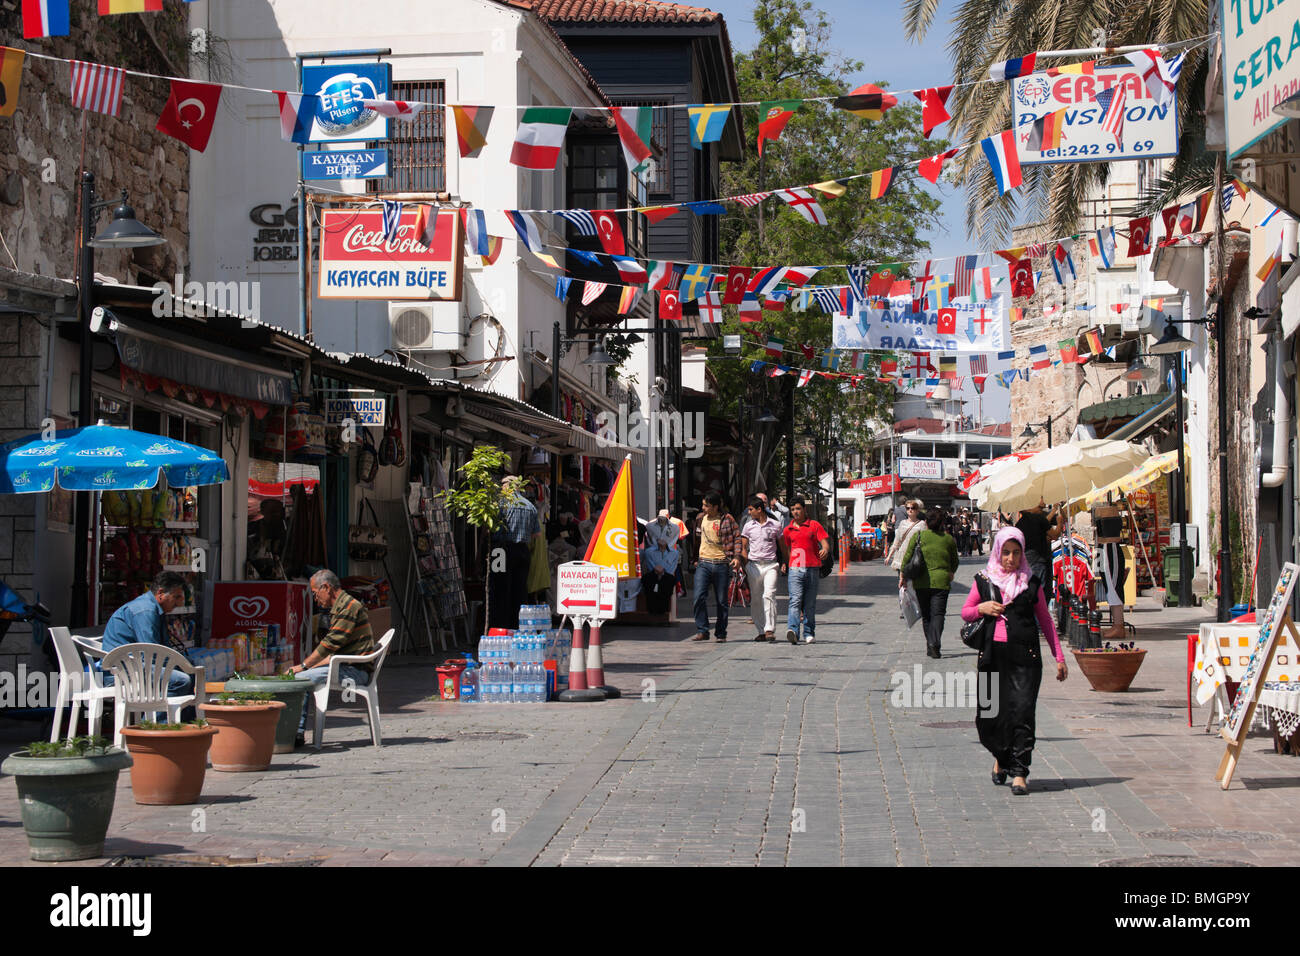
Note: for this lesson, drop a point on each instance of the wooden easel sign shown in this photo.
(1237, 725)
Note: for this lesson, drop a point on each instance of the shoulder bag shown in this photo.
(915, 566)
(977, 634)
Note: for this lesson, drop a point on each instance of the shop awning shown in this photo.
(521, 420)
(202, 365)
(1154, 467)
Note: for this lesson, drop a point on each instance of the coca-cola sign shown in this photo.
(357, 260)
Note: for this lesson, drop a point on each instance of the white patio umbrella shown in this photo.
(1057, 474)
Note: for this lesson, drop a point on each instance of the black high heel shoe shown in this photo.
(999, 777)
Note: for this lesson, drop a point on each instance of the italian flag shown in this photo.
(540, 138)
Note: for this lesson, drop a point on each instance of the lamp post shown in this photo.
(1030, 432)
(123, 232)
(1175, 344)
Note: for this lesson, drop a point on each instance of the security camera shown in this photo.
(101, 318)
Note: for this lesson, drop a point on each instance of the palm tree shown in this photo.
(989, 31)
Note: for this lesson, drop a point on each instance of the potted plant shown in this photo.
(480, 499)
(245, 724)
(66, 791)
(1111, 667)
(171, 761)
(289, 688)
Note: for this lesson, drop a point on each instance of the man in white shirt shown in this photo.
(761, 545)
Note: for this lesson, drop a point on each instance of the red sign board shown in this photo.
(239, 605)
(879, 485)
(357, 262)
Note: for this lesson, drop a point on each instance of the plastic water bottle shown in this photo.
(493, 676)
(539, 683)
(469, 683)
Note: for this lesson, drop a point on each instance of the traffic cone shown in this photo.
(596, 665)
(579, 689)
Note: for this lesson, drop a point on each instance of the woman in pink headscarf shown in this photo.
(1007, 595)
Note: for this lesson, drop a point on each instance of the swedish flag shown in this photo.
(707, 123)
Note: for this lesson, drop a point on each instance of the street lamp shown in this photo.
(1031, 429)
(1175, 344)
(123, 232)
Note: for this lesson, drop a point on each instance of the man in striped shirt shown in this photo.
(349, 633)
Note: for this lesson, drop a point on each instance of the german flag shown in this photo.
(881, 180)
(868, 101)
(1047, 131)
(1077, 69)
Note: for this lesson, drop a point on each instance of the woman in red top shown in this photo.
(806, 545)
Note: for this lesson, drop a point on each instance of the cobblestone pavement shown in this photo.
(747, 754)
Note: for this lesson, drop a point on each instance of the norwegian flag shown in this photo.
(1112, 104)
(97, 87)
(979, 365)
(751, 199)
(591, 291)
(581, 219)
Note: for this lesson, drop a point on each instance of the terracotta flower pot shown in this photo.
(169, 764)
(245, 734)
(1109, 671)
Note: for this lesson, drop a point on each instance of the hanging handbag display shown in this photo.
(400, 458)
(367, 459)
(367, 542)
(977, 634)
(390, 446)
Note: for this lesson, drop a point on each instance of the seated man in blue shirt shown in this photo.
(143, 621)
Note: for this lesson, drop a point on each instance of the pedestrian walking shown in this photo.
(890, 527)
(719, 551)
(1039, 531)
(1012, 657)
(807, 545)
(909, 526)
(761, 543)
(933, 586)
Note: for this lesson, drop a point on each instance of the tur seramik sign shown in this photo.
(357, 261)
(1261, 39)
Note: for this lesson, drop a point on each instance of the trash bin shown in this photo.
(1172, 575)
(449, 678)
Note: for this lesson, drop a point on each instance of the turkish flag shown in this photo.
(1022, 278)
(1170, 216)
(609, 231)
(190, 112)
(670, 304)
(947, 322)
(932, 166)
(1139, 236)
(737, 280)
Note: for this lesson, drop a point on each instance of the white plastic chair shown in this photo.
(369, 691)
(140, 675)
(76, 686)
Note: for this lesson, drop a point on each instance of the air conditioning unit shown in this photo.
(951, 472)
(425, 326)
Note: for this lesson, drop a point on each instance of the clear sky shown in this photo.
(872, 31)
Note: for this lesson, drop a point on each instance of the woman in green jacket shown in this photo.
(933, 586)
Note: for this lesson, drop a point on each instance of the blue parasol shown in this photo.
(104, 458)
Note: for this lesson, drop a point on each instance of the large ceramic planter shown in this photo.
(294, 695)
(245, 734)
(1109, 671)
(169, 764)
(66, 802)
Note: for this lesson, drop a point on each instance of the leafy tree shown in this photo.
(819, 143)
(985, 33)
(482, 496)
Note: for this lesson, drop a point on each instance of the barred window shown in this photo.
(417, 151)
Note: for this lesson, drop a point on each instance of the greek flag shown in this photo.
(582, 220)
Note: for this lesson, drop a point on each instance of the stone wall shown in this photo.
(44, 144)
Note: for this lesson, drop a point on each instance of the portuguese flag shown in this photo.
(772, 117)
(540, 138)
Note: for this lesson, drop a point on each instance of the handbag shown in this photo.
(738, 591)
(367, 459)
(976, 634)
(915, 566)
(367, 542)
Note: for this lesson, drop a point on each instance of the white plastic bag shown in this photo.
(909, 604)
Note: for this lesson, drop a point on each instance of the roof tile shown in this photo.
(618, 11)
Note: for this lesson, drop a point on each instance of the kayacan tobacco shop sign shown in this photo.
(358, 262)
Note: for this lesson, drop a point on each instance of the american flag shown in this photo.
(591, 291)
(979, 365)
(581, 218)
(965, 273)
(97, 87)
(751, 199)
(1112, 105)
